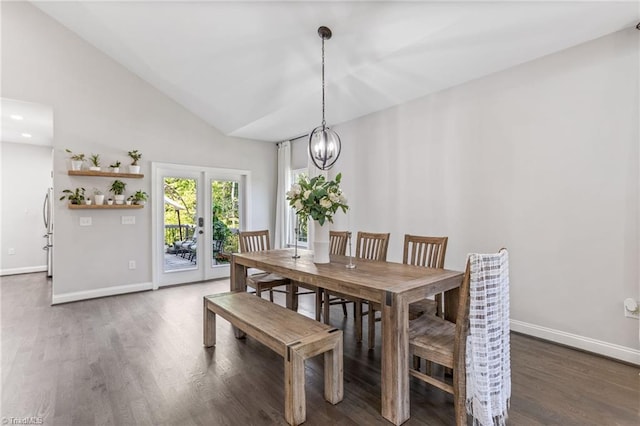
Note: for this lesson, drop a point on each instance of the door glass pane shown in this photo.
(180, 231)
(225, 220)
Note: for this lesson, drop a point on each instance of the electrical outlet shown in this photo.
(12, 251)
(631, 308)
(132, 264)
(85, 221)
(128, 220)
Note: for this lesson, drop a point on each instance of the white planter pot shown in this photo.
(119, 198)
(94, 168)
(320, 243)
(134, 169)
(76, 165)
(110, 202)
(129, 202)
(115, 169)
(99, 199)
(88, 201)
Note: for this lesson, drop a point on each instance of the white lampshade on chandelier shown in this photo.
(324, 143)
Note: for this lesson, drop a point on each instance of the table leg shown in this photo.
(395, 359)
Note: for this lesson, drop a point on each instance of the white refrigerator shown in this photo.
(47, 215)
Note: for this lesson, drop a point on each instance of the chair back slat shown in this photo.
(338, 242)
(372, 246)
(424, 251)
(251, 241)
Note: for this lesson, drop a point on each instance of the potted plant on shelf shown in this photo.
(115, 167)
(76, 160)
(117, 187)
(135, 156)
(75, 196)
(140, 197)
(98, 197)
(110, 201)
(95, 162)
(129, 200)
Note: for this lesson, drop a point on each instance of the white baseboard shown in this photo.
(100, 292)
(612, 350)
(26, 270)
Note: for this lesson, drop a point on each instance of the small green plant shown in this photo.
(75, 157)
(96, 191)
(135, 156)
(117, 187)
(75, 197)
(139, 196)
(95, 160)
(115, 165)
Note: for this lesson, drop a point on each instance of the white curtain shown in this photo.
(282, 205)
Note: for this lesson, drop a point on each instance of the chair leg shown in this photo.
(416, 363)
(344, 307)
(372, 327)
(459, 397)
(318, 303)
(358, 316)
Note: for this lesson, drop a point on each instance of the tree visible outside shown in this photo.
(225, 211)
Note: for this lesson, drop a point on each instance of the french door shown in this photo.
(197, 214)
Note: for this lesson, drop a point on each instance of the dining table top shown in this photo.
(369, 280)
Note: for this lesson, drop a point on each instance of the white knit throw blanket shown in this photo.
(488, 355)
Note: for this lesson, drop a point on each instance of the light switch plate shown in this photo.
(128, 220)
(85, 221)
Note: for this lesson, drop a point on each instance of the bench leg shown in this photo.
(333, 385)
(294, 396)
(209, 326)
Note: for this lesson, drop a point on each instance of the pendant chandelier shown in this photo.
(324, 143)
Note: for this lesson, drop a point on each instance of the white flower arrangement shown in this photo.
(317, 198)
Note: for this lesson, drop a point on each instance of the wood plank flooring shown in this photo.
(138, 359)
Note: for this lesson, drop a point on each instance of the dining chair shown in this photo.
(370, 246)
(251, 241)
(337, 245)
(420, 251)
(486, 371)
(428, 252)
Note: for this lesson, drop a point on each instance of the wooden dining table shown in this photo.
(392, 285)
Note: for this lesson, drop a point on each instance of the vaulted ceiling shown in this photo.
(252, 69)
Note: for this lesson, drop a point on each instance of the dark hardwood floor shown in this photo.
(139, 359)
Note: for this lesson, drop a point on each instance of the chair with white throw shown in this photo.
(476, 347)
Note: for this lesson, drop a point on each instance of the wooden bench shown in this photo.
(293, 336)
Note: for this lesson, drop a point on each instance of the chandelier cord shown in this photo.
(323, 121)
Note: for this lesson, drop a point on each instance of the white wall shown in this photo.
(541, 159)
(100, 107)
(26, 175)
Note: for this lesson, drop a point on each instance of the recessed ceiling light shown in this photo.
(26, 135)
(16, 117)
